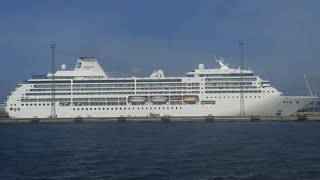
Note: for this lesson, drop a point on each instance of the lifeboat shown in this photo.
(176, 98)
(159, 98)
(137, 99)
(190, 99)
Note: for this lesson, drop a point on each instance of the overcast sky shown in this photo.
(134, 37)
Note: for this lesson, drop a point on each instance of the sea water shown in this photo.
(195, 151)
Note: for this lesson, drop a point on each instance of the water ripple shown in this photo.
(195, 151)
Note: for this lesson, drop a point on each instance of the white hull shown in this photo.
(223, 107)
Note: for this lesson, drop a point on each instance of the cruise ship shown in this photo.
(88, 92)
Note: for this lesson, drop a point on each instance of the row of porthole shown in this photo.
(235, 97)
(44, 104)
(155, 108)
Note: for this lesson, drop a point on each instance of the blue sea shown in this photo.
(186, 151)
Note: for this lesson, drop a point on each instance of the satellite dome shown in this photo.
(63, 67)
(201, 66)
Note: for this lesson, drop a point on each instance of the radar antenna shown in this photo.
(220, 61)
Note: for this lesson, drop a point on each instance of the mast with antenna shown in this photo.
(53, 84)
(242, 109)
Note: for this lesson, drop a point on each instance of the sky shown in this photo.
(133, 38)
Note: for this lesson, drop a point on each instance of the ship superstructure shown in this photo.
(87, 91)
